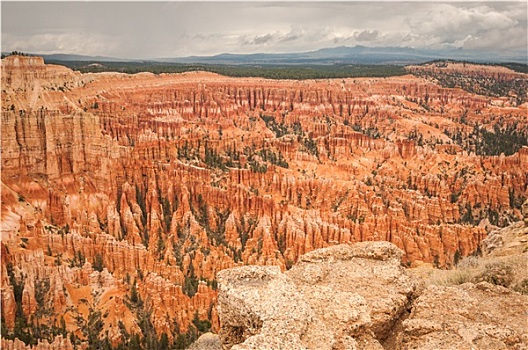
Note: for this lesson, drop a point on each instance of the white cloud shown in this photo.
(454, 25)
(510, 38)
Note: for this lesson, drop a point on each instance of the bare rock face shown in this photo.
(510, 240)
(358, 297)
(260, 308)
(359, 290)
(470, 316)
(340, 297)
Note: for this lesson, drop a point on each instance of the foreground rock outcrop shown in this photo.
(207, 341)
(261, 309)
(359, 297)
(341, 297)
(470, 316)
(359, 291)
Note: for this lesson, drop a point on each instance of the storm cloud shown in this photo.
(176, 29)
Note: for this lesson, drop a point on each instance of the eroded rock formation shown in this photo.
(124, 195)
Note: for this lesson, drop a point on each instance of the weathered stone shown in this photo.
(359, 290)
(507, 241)
(207, 341)
(259, 308)
(524, 210)
(352, 295)
(470, 316)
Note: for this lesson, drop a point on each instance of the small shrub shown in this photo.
(468, 262)
(98, 264)
(451, 278)
(460, 277)
(521, 287)
(499, 274)
(134, 296)
(202, 325)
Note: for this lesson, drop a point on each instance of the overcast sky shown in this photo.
(177, 29)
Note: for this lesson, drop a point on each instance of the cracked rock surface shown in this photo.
(360, 297)
(469, 316)
(340, 297)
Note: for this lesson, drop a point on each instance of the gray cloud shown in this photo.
(295, 33)
(290, 37)
(367, 35)
(172, 29)
(262, 39)
(510, 38)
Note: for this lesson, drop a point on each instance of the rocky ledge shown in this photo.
(361, 297)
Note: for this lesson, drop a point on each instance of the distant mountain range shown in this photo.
(337, 55)
(351, 55)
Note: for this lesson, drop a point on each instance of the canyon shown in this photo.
(124, 195)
